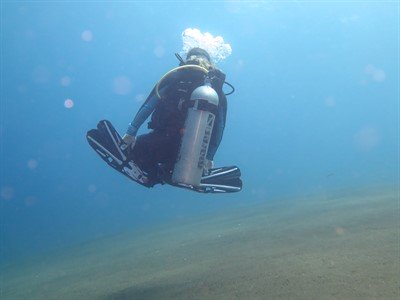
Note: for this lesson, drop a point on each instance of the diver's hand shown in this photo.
(208, 165)
(129, 142)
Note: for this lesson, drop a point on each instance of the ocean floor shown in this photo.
(342, 246)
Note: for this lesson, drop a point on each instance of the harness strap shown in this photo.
(203, 105)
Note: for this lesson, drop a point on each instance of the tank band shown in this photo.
(204, 105)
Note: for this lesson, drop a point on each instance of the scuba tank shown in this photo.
(196, 135)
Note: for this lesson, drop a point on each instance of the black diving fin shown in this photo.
(109, 145)
(217, 180)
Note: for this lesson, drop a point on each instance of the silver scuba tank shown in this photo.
(196, 136)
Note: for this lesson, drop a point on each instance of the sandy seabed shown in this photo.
(342, 246)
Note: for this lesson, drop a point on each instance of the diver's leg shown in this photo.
(166, 154)
(154, 149)
(144, 155)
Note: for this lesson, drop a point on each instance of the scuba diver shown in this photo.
(168, 116)
(188, 112)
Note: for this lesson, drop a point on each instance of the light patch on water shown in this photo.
(65, 81)
(159, 51)
(330, 101)
(68, 103)
(110, 15)
(30, 201)
(140, 97)
(340, 230)
(367, 138)
(32, 164)
(122, 85)
(376, 74)
(379, 75)
(7, 192)
(92, 188)
(87, 36)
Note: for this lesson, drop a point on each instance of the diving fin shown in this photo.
(221, 174)
(109, 145)
(218, 180)
(222, 180)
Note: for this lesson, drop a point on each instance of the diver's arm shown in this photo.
(148, 107)
(144, 112)
(218, 129)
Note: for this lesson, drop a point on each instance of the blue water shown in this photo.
(316, 108)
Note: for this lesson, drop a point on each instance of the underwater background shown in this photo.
(315, 111)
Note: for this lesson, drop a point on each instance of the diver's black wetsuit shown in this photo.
(159, 148)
